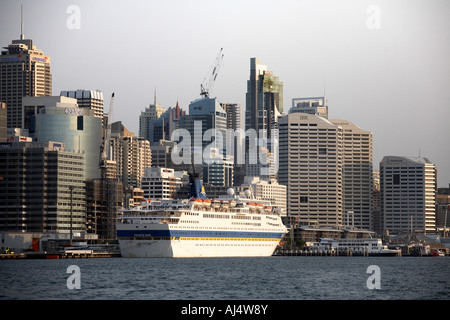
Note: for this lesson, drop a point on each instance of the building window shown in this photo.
(303, 199)
(396, 179)
(322, 150)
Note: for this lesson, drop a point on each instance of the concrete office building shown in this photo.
(162, 183)
(162, 154)
(42, 188)
(310, 165)
(408, 194)
(89, 99)
(131, 154)
(59, 119)
(268, 190)
(103, 199)
(357, 167)
(24, 72)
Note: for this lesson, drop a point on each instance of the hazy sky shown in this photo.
(385, 64)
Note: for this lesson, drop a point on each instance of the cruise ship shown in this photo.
(229, 226)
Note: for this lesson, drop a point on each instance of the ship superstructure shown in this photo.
(229, 226)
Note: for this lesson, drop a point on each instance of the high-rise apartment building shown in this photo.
(131, 154)
(357, 167)
(89, 99)
(24, 72)
(408, 194)
(42, 188)
(310, 165)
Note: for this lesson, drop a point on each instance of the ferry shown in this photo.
(363, 246)
(229, 226)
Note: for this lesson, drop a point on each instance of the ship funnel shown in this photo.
(196, 188)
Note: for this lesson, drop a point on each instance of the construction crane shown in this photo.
(106, 149)
(208, 82)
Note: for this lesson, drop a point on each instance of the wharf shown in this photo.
(347, 252)
(60, 255)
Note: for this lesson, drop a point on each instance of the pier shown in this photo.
(341, 252)
(75, 254)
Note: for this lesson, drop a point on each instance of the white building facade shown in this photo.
(310, 165)
(408, 194)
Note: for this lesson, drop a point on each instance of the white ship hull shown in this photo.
(195, 248)
(199, 227)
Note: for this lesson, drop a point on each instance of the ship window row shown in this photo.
(227, 228)
(189, 221)
(216, 216)
(234, 244)
(247, 223)
(273, 224)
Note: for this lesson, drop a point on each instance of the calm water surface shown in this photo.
(272, 278)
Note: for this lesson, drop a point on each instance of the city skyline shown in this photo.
(383, 65)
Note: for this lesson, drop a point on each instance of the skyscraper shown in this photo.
(264, 98)
(310, 165)
(408, 194)
(357, 167)
(264, 105)
(24, 72)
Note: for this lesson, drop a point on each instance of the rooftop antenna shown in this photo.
(154, 98)
(21, 22)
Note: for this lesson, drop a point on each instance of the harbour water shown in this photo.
(271, 278)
